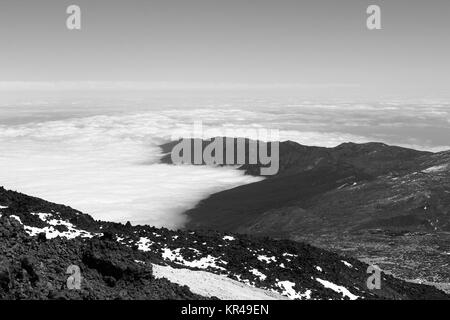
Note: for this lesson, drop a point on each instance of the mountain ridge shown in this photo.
(354, 191)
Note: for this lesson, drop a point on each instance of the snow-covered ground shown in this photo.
(51, 231)
(212, 285)
(439, 168)
(339, 289)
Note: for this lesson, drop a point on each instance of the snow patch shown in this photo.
(203, 263)
(257, 273)
(339, 289)
(288, 290)
(266, 259)
(436, 169)
(289, 255)
(43, 216)
(50, 231)
(347, 264)
(17, 218)
(144, 244)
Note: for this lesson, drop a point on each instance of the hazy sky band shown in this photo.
(208, 41)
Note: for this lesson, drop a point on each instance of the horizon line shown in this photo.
(68, 85)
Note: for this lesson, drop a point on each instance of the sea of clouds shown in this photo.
(106, 162)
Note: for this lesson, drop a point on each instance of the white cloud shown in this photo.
(106, 164)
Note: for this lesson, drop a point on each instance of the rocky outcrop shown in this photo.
(115, 261)
(34, 269)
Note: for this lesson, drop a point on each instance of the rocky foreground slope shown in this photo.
(41, 241)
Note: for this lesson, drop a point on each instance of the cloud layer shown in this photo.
(106, 164)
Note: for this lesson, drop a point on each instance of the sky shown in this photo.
(315, 45)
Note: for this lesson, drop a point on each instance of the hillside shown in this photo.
(376, 202)
(40, 240)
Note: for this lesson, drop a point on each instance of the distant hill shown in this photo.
(349, 187)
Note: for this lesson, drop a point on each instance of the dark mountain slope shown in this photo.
(372, 200)
(240, 206)
(323, 188)
(39, 240)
